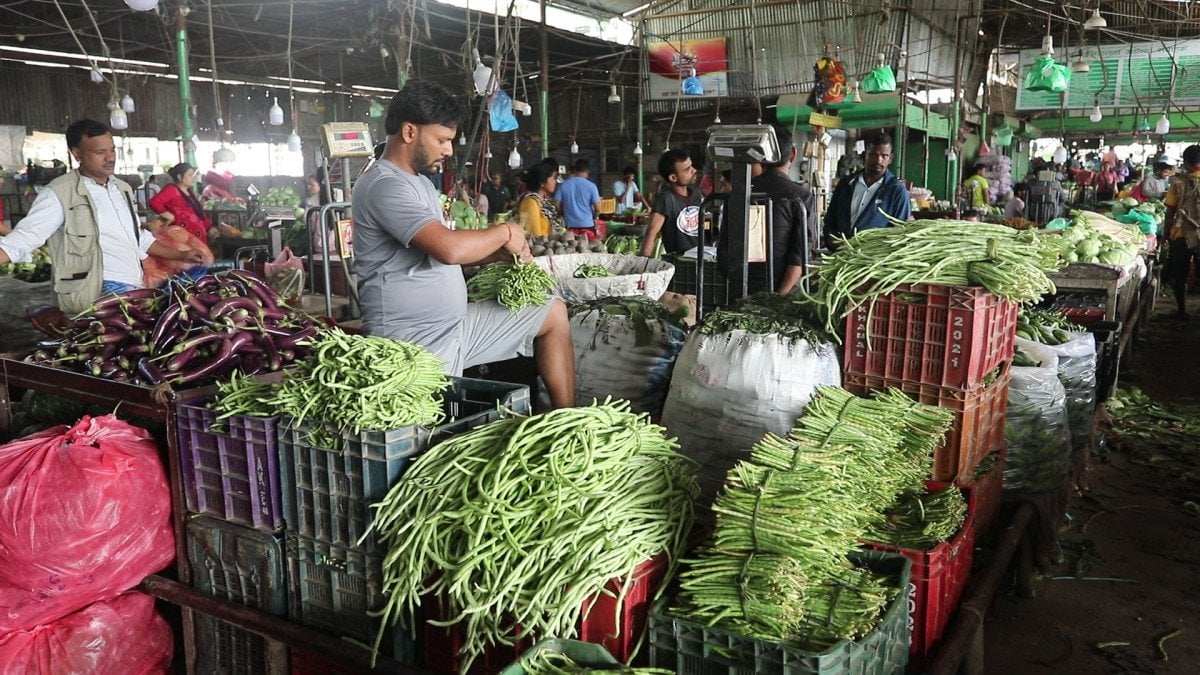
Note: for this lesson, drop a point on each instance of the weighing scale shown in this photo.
(344, 141)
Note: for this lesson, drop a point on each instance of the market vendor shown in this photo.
(89, 218)
(975, 187)
(676, 211)
(409, 277)
(177, 203)
(1182, 226)
(866, 199)
(1155, 185)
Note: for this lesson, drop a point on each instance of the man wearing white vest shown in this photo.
(89, 218)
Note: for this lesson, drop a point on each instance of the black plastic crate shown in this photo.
(327, 492)
(716, 285)
(244, 566)
(1108, 356)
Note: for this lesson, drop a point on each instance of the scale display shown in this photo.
(347, 139)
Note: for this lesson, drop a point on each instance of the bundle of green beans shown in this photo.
(808, 498)
(364, 382)
(588, 271)
(921, 520)
(512, 284)
(1009, 263)
(547, 662)
(245, 396)
(623, 244)
(766, 313)
(517, 522)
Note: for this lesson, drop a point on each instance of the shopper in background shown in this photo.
(499, 197)
(1015, 206)
(675, 215)
(1155, 185)
(865, 199)
(98, 213)
(580, 200)
(178, 205)
(537, 210)
(410, 278)
(1105, 181)
(627, 193)
(975, 187)
(1182, 226)
(147, 191)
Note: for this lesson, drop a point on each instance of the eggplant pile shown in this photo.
(189, 333)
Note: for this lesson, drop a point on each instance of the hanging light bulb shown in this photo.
(1060, 155)
(717, 119)
(1095, 21)
(275, 115)
(223, 154)
(141, 5)
(527, 110)
(514, 159)
(857, 95)
(1163, 126)
(113, 105)
(1080, 65)
(293, 141)
(488, 154)
(1096, 115)
(637, 149)
(127, 104)
(951, 155)
(613, 96)
(96, 76)
(117, 119)
(1048, 45)
(574, 146)
(1144, 127)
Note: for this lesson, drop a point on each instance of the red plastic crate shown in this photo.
(979, 412)
(984, 494)
(599, 625)
(936, 585)
(948, 336)
(307, 663)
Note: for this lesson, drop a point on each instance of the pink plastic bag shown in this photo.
(85, 514)
(286, 274)
(123, 635)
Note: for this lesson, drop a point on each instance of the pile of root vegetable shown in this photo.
(562, 243)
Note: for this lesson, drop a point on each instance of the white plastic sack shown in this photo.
(731, 389)
(631, 275)
(1036, 429)
(1077, 372)
(610, 362)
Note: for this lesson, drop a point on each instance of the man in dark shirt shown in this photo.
(788, 219)
(499, 197)
(676, 211)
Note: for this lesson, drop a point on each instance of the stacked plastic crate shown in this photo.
(952, 347)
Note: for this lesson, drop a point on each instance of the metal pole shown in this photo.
(641, 177)
(185, 85)
(545, 77)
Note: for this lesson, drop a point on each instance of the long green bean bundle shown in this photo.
(364, 382)
(767, 312)
(921, 520)
(512, 284)
(519, 521)
(1010, 263)
(803, 502)
(245, 396)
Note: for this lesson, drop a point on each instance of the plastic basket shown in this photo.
(599, 625)
(978, 418)
(230, 468)
(693, 648)
(244, 566)
(938, 578)
(628, 276)
(716, 285)
(327, 492)
(582, 654)
(948, 336)
(333, 588)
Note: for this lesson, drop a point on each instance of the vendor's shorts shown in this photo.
(492, 332)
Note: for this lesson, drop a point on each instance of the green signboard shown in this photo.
(1142, 75)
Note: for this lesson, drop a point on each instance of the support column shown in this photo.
(185, 85)
(545, 78)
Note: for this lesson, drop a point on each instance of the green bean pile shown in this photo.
(1044, 326)
(514, 285)
(245, 396)
(361, 382)
(921, 520)
(766, 313)
(546, 662)
(804, 502)
(1010, 263)
(587, 271)
(516, 523)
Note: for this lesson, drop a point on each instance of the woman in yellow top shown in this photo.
(537, 209)
(976, 187)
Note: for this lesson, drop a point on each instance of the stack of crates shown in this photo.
(330, 479)
(234, 531)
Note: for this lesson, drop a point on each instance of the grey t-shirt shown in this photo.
(405, 293)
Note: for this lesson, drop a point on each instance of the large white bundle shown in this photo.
(1077, 372)
(730, 389)
(630, 275)
(613, 357)
(1036, 430)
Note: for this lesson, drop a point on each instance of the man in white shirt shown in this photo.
(1155, 185)
(90, 219)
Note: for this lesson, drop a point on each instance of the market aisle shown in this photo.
(1133, 537)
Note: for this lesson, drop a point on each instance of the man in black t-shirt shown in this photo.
(676, 211)
(788, 219)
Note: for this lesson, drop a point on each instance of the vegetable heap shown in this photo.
(562, 243)
(766, 313)
(588, 271)
(518, 522)
(1046, 327)
(1087, 241)
(467, 217)
(34, 271)
(623, 244)
(189, 334)
(644, 314)
(777, 566)
(921, 520)
(1008, 263)
(512, 284)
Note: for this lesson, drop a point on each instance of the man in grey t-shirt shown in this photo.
(409, 277)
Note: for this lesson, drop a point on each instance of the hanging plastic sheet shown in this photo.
(501, 113)
(1046, 75)
(880, 80)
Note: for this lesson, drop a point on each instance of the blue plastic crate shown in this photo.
(327, 492)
